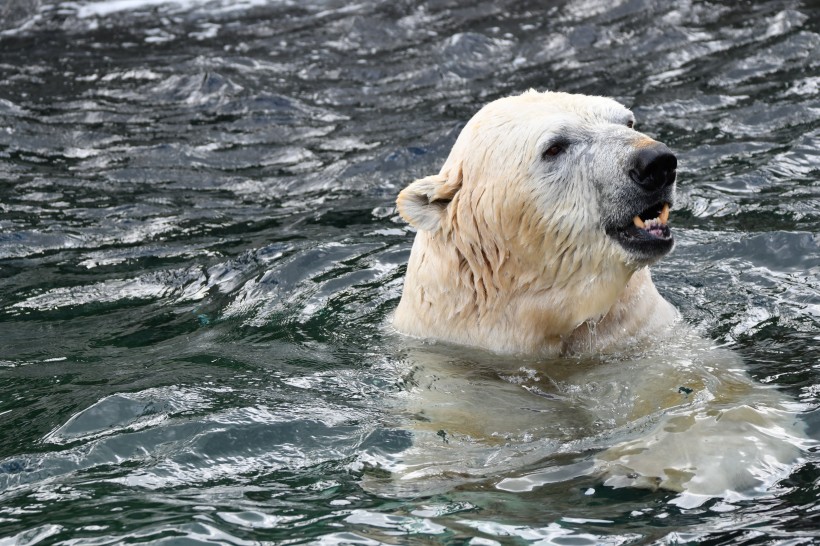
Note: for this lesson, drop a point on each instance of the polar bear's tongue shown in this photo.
(656, 224)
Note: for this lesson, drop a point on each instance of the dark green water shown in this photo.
(198, 252)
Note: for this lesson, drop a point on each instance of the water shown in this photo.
(198, 252)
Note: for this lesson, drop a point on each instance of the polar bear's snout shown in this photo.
(655, 167)
(641, 228)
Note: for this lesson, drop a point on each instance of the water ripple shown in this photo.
(199, 252)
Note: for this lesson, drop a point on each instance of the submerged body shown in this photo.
(535, 240)
(682, 416)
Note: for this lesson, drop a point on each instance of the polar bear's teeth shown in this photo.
(661, 220)
(664, 217)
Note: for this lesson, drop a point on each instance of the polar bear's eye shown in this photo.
(554, 150)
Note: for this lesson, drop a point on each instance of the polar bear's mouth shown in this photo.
(654, 222)
(648, 234)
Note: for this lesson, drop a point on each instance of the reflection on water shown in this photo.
(198, 252)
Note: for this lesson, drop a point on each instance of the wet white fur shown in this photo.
(510, 254)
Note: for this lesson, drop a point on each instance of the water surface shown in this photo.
(198, 253)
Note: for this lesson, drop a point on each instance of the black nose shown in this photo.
(654, 167)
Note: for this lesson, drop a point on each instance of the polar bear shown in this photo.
(536, 235)
(533, 242)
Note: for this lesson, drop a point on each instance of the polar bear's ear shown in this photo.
(423, 202)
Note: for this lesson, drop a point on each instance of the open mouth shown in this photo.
(648, 235)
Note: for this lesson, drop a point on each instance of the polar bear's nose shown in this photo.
(654, 167)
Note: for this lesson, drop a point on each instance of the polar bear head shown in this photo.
(545, 209)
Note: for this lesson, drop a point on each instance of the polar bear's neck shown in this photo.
(495, 301)
(639, 312)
